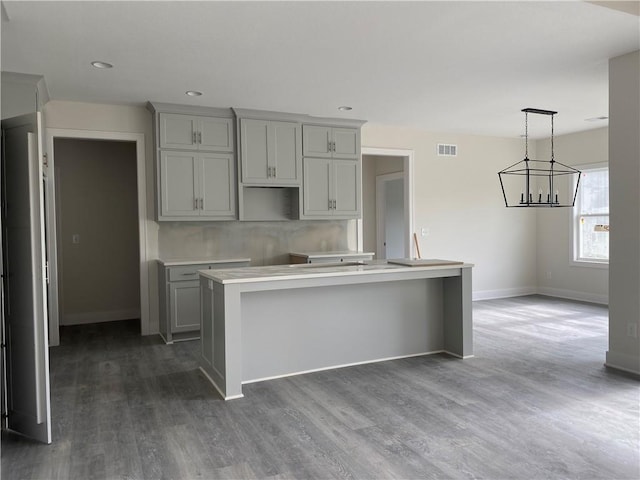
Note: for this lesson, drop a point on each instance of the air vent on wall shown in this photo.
(447, 150)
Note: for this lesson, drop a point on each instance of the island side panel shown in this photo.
(458, 315)
(296, 330)
(221, 357)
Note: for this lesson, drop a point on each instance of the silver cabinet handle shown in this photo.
(195, 203)
(202, 204)
(334, 205)
(194, 137)
(200, 137)
(330, 204)
(274, 172)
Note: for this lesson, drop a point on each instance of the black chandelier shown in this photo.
(539, 183)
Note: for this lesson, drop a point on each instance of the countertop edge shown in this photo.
(175, 263)
(305, 274)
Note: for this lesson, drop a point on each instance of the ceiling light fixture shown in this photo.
(521, 180)
(98, 64)
(345, 108)
(193, 93)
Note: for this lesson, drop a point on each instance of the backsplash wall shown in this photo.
(266, 243)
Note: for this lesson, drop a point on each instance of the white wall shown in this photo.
(460, 201)
(117, 118)
(556, 275)
(624, 197)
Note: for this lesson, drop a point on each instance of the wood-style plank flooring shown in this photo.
(534, 403)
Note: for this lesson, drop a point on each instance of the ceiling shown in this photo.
(466, 67)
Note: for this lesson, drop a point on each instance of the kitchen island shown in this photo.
(259, 323)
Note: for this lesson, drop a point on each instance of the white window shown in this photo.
(591, 217)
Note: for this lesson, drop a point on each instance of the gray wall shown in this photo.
(96, 198)
(624, 197)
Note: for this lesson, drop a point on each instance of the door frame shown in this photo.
(408, 169)
(381, 212)
(138, 138)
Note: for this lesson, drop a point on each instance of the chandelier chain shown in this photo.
(552, 160)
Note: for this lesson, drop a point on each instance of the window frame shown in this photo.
(575, 227)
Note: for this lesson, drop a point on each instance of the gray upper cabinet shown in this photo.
(331, 188)
(196, 185)
(195, 163)
(330, 142)
(270, 152)
(194, 132)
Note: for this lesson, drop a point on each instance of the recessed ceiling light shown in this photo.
(345, 108)
(597, 119)
(101, 65)
(193, 93)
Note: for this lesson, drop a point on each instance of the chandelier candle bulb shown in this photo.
(539, 195)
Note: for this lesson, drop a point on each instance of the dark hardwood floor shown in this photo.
(534, 403)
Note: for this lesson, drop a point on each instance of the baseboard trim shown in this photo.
(333, 367)
(99, 317)
(503, 293)
(574, 295)
(623, 362)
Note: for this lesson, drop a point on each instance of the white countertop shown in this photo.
(199, 261)
(336, 253)
(313, 270)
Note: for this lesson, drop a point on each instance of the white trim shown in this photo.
(574, 261)
(623, 362)
(408, 157)
(574, 295)
(138, 138)
(232, 397)
(381, 214)
(462, 357)
(503, 293)
(99, 317)
(333, 367)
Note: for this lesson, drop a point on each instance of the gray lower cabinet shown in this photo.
(199, 185)
(179, 292)
(331, 188)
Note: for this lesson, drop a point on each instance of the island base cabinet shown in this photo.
(258, 330)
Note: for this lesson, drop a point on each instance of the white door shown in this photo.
(391, 238)
(24, 286)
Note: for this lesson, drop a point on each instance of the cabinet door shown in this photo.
(346, 142)
(315, 141)
(178, 187)
(346, 191)
(284, 152)
(253, 150)
(215, 134)
(185, 306)
(316, 187)
(178, 131)
(217, 185)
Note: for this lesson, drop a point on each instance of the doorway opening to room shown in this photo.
(96, 211)
(387, 198)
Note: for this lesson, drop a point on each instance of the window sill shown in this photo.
(589, 264)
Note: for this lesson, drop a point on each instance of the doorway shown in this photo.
(387, 200)
(96, 224)
(390, 219)
(68, 237)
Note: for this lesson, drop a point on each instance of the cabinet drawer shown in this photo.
(184, 273)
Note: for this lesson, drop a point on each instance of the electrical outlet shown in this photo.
(548, 275)
(632, 330)
(75, 238)
(424, 232)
